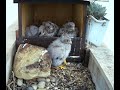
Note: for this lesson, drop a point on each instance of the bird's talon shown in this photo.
(65, 62)
(62, 67)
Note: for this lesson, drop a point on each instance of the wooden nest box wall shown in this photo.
(34, 12)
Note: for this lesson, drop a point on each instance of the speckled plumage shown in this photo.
(60, 49)
(68, 28)
(48, 29)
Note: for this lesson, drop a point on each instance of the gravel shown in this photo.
(74, 77)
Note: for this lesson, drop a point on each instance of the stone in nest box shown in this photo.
(31, 62)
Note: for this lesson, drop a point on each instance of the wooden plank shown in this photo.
(79, 16)
(57, 13)
(41, 41)
(87, 55)
(27, 14)
(53, 1)
(45, 41)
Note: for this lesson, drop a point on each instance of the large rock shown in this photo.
(31, 62)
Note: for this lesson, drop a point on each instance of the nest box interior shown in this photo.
(59, 13)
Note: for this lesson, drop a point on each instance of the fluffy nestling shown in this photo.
(68, 28)
(48, 29)
(59, 49)
(32, 31)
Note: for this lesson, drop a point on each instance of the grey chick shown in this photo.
(32, 31)
(71, 29)
(72, 33)
(68, 28)
(59, 49)
(69, 25)
(53, 24)
(61, 31)
(48, 29)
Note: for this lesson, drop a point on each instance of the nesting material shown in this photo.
(74, 77)
(31, 62)
(34, 86)
(41, 84)
(29, 88)
(20, 82)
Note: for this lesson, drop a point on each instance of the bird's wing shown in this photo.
(56, 52)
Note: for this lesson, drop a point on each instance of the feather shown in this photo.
(60, 49)
(48, 29)
(68, 28)
(32, 31)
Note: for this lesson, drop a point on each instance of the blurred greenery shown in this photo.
(96, 10)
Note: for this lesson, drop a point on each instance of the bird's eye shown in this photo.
(57, 58)
(67, 40)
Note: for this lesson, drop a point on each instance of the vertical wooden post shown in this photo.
(20, 20)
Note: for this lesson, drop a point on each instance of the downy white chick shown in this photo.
(32, 31)
(48, 29)
(68, 28)
(60, 49)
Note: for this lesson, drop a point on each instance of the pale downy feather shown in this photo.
(60, 49)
